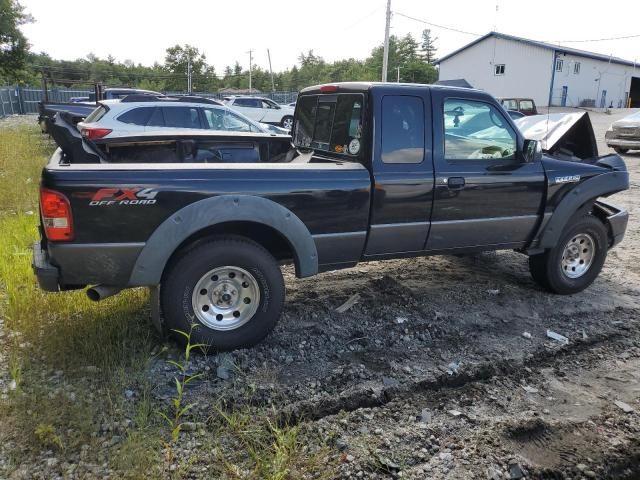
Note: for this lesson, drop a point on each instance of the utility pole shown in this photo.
(385, 55)
(273, 85)
(398, 79)
(250, 52)
(189, 75)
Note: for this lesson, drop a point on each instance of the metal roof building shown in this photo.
(509, 66)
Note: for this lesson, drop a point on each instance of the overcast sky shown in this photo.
(141, 30)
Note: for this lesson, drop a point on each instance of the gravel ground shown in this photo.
(442, 369)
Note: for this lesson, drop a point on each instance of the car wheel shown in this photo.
(287, 122)
(230, 288)
(575, 262)
(621, 151)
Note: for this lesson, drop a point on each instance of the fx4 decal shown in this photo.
(567, 179)
(119, 196)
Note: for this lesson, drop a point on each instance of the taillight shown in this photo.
(328, 88)
(95, 133)
(56, 215)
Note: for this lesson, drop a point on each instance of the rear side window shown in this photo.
(137, 116)
(181, 117)
(331, 123)
(526, 105)
(156, 119)
(97, 114)
(402, 129)
(247, 102)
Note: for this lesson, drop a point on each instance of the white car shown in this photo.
(262, 110)
(136, 115)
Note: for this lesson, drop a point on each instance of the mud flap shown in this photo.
(156, 312)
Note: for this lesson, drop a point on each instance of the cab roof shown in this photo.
(389, 86)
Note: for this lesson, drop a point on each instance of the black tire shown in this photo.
(547, 268)
(183, 275)
(621, 151)
(288, 120)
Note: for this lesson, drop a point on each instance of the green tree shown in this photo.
(176, 64)
(14, 48)
(428, 46)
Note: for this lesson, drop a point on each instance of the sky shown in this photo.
(141, 30)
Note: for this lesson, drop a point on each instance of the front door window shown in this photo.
(476, 130)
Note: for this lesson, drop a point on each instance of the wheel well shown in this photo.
(272, 240)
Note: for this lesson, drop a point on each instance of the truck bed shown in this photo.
(331, 198)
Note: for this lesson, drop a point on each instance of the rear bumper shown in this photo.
(48, 275)
(623, 143)
(617, 219)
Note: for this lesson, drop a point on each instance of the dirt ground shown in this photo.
(443, 368)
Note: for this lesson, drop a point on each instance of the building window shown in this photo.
(576, 68)
(559, 64)
(499, 69)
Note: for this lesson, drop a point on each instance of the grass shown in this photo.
(71, 360)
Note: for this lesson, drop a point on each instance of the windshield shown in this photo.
(330, 123)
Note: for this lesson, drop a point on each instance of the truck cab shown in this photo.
(448, 166)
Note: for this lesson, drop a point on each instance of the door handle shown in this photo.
(455, 182)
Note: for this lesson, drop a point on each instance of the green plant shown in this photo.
(46, 435)
(15, 368)
(179, 410)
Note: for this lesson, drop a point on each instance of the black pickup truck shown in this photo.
(376, 171)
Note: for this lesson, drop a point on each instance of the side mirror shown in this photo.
(532, 151)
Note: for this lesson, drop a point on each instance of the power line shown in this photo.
(436, 25)
(444, 27)
(598, 39)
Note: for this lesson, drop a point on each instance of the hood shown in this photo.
(561, 134)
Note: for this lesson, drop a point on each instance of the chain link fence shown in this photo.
(24, 100)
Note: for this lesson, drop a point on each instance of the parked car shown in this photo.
(524, 105)
(120, 92)
(262, 110)
(82, 108)
(135, 114)
(624, 135)
(366, 181)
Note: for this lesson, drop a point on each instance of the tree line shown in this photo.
(409, 61)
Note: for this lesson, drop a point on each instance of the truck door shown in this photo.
(485, 194)
(402, 172)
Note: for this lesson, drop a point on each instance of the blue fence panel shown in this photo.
(9, 102)
(24, 100)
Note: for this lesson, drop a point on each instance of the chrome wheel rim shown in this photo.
(578, 255)
(288, 123)
(226, 298)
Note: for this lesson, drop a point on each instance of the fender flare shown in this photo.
(601, 185)
(205, 213)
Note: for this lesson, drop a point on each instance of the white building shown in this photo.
(508, 66)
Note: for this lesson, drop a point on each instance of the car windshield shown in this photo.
(329, 123)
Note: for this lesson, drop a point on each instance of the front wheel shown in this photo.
(231, 289)
(575, 262)
(621, 151)
(287, 122)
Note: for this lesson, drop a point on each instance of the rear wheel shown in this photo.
(287, 122)
(575, 262)
(232, 290)
(621, 151)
